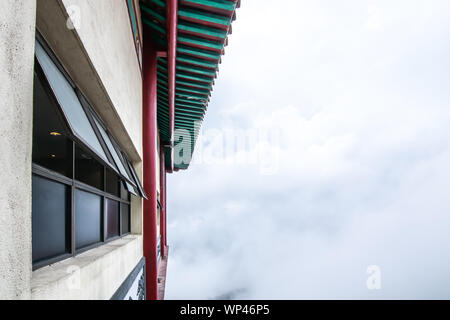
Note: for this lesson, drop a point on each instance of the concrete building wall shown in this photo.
(93, 275)
(16, 109)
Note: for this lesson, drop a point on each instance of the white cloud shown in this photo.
(363, 173)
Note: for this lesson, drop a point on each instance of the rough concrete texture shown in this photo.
(17, 32)
(93, 275)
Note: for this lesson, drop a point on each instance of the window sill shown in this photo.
(94, 274)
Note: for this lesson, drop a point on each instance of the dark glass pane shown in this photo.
(50, 218)
(69, 101)
(88, 218)
(112, 150)
(112, 218)
(112, 183)
(87, 106)
(52, 148)
(124, 194)
(87, 169)
(125, 218)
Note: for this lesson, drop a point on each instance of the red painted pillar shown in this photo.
(162, 181)
(149, 169)
(172, 23)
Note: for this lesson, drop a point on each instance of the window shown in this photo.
(112, 183)
(87, 169)
(112, 218)
(133, 173)
(81, 178)
(88, 219)
(125, 210)
(109, 144)
(68, 100)
(55, 148)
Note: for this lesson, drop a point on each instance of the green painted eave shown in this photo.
(203, 28)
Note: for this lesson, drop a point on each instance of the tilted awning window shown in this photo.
(118, 160)
(85, 125)
(133, 172)
(69, 102)
(112, 150)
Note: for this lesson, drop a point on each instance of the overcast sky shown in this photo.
(345, 110)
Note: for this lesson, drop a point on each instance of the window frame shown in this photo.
(87, 109)
(96, 122)
(72, 183)
(72, 131)
(138, 182)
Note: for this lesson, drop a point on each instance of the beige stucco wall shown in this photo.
(93, 275)
(17, 29)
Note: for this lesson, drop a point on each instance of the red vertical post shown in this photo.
(149, 169)
(162, 188)
(172, 22)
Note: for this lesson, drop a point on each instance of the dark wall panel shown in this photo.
(50, 219)
(88, 221)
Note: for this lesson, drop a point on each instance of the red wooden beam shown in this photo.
(172, 22)
(149, 133)
(200, 46)
(161, 54)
